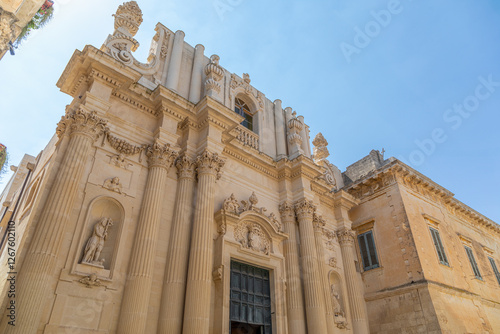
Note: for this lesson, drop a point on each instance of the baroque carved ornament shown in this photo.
(251, 236)
(320, 153)
(81, 122)
(95, 243)
(209, 163)
(160, 155)
(232, 206)
(214, 74)
(249, 90)
(185, 167)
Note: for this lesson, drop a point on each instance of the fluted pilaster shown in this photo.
(354, 291)
(134, 309)
(294, 295)
(174, 67)
(34, 279)
(197, 308)
(314, 298)
(319, 223)
(174, 286)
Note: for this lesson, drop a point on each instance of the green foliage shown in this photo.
(3, 159)
(41, 18)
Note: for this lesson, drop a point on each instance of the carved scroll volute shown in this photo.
(305, 209)
(346, 237)
(185, 167)
(209, 163)
(82, 122)
(160, 155)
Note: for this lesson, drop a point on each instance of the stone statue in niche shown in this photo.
(113, 184)
(231, 205)
(339, 313)
(95, 243)
(90, 281)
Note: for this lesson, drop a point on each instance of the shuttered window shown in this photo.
(495, 269)
(439, 246)
(368, 251)
(473, 262)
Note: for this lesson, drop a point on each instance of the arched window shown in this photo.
(241, 108)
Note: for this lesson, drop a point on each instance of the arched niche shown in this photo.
(102, 207)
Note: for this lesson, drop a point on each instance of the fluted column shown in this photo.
(314, 298)
(197, 308)
(174, 67)
(319, 223)
(279, 122)
(34, 281)
(294, 296)
(134, 308)
(196, 75)
(354, 292)
(174, 285)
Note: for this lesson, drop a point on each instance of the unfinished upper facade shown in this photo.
(176, 198)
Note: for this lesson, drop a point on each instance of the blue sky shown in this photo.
(419, 78)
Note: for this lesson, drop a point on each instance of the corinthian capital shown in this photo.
(346, 237)
(160, 155)
(305, 209)
(185, 167)
(287, 211)
(209, 163)
(82, 122)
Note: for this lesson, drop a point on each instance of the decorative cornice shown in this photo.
(269, 168)
(185, 167)
(135, 103)
(305, 209)
(209, 163)
(82, 122)
(160, 155)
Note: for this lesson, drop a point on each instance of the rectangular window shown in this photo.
(368, 251)
(439, 246)
(495, 269)
(473, 262)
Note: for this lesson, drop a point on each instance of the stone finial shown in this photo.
(320, 150)
(246, 78)
(214, 73)
(128, 18)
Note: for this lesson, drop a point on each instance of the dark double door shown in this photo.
(250, 300)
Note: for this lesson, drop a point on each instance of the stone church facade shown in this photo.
(176, 198)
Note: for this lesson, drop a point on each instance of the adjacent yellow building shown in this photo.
(176, 198)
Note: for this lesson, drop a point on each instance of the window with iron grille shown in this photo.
(439, 246)
(473, 263)
(495, 269)
(368, 251)
(250, 299)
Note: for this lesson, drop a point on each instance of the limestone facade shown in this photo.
(156, 208)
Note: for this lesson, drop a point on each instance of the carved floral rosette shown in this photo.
(252, 236)
(160, 155)
(210, 163)
(81, 122)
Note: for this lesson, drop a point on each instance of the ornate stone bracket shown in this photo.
(90, 281)
(121, 44)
